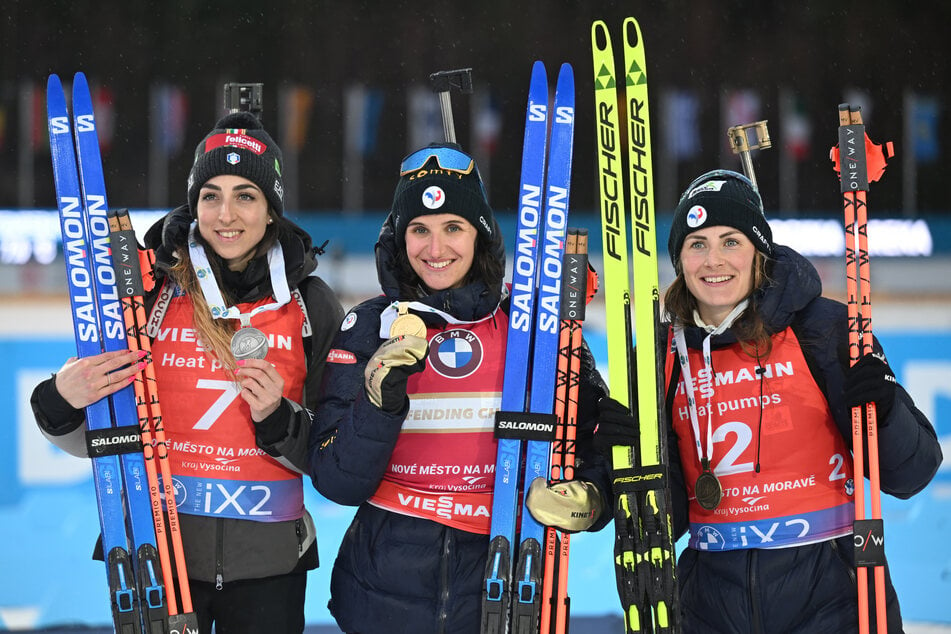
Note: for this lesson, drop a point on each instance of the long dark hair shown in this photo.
(749, 328)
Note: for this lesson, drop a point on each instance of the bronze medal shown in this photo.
(407, 324)
(707, 488)
(249, 343)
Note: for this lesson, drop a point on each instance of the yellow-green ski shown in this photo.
(644, 550)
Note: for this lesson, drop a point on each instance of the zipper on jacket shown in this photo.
(834, 544)
(755, 616)
(300, 537)
(219, 555)
(444, 580)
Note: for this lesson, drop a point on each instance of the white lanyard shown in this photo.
(391, 312)
(681, 345)
(209, 285)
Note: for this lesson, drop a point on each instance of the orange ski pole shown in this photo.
(859, 161)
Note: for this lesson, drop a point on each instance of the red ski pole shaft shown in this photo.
(855, 176)
(871, 415)
(153, 425)
(551, 588)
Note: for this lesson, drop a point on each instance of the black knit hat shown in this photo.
(239, 145)
(720, 197)
(440, 179)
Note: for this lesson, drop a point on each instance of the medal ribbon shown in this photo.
(391, 312)
(681, 345)
(209, 285)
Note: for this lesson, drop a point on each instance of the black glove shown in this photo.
(390, 367)
(617, 425)
(870, 380)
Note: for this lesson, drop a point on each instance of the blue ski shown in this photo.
(137, 595)
(529, 570)
(512, 598)
(497, 593)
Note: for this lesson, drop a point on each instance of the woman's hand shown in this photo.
(261, 386)
(84, 381)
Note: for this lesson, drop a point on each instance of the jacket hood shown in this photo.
(468, 303)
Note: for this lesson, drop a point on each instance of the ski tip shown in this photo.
(53, 82)
(632, 32)
(79, 80)
(600, 39)
(539, 74)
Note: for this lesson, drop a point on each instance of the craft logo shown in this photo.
(455, 354)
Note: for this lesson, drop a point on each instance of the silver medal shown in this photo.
(249, 343)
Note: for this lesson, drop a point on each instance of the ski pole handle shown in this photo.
(443, 83)
(740, 142)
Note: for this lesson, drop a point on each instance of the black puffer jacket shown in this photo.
(396, 573)
(216, 546)
(809, 588)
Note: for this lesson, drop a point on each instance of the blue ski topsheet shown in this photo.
(529, 229)
(532, 352)
(97, 317)
(548, 317)
(112, 324)
(79, 276)
(521, 315)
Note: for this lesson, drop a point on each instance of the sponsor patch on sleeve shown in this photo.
(341, 356)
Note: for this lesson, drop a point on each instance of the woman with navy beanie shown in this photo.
(240, 329)
(404, 430)
(759, 391)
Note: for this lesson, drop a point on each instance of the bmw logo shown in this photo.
(709, 538)
(456, 353)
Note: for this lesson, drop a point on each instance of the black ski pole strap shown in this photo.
(113, 441)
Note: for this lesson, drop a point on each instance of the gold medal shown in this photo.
(407, 324)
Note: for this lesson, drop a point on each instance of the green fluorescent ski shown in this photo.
(644, 551)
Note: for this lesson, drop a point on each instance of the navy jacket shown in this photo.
(396, 573)
(808, 588)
